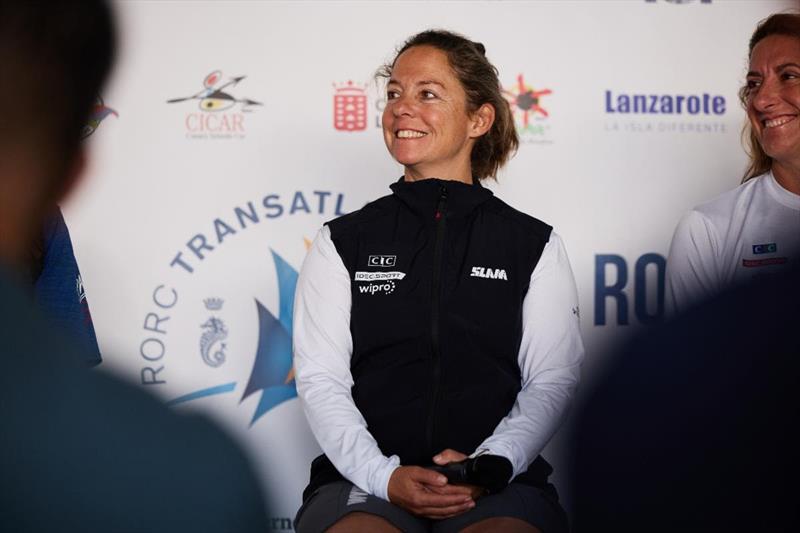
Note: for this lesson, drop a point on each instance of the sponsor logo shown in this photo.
(356, 496)
(222, 115)
(679, 1)
(270, 375)
(626, 293)
(769, 248)
(664, 113)
(378, 276)
(97, 115)
(377, 288)
(79, 289)
(349, 107)
(530, 116)
(489, 273)
(753, 263)
(382, 260)
(665, 104)
(212, 347)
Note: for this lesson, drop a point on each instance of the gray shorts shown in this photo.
(331, 502)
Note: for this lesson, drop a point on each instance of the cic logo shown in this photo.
(382, 260)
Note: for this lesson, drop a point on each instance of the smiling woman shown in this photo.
(436, 322)
(771, 97)
(753, 230)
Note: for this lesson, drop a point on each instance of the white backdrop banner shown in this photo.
(241, 127)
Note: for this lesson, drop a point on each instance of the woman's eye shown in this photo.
(790, 75)
(752, 84)
(391, 95)
(428, 95)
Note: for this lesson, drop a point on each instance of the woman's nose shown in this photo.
(767, 95)
(402, 105)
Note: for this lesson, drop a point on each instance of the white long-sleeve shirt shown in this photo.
(738, 236)
(550, 355)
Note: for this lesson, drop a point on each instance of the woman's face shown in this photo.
(773, 101)
(426, 126)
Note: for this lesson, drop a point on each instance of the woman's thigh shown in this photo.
(523, 502)
(333, 502)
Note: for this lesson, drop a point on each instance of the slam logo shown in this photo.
(222, 114)
(98, 114)
(529, 112)
(349, 107)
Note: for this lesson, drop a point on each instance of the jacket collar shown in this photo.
(423, 196)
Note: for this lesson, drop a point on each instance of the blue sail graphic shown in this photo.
(273, 363)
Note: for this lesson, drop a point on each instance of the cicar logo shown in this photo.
(530, 114)
(222, 115)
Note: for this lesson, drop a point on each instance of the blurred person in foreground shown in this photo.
(82, 451)
(693, 425)
(437, 327)
(58, 287)
(753, 230)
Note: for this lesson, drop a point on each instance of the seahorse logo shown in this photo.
(212, 347)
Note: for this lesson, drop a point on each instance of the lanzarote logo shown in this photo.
(98, 114)
(529, 113)
(222, 115)
(349, 107)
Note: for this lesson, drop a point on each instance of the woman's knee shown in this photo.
(362, 522)
(503, 523)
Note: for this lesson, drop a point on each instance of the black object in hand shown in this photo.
(491, 472)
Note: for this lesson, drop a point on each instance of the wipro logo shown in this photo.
(489, 273)
(377, 288)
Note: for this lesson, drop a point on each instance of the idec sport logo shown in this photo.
(349, 107)
(530, 115)
(221, 113)
(98, 114)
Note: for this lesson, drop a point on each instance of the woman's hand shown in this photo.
(423, 492)
(452, 456)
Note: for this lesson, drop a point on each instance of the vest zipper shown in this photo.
(441, 210)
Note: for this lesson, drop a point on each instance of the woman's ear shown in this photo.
(482, 120)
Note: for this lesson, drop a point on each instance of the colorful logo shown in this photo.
(349, 107)
(222, 114)
(213, 98)
(272, 373)
(526, 103)
(98, 114)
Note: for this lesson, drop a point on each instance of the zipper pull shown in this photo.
(442, 201)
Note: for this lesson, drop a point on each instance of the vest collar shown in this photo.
(422, 196)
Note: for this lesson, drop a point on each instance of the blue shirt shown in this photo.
(59, 290)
